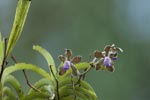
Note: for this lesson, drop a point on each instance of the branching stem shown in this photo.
(57, 84)
(26, 77)
(82, 75)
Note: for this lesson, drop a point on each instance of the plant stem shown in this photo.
(20, 17)
(25, 75)
(4, 63)
(57, 84)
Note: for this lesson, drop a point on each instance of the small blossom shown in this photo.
(106, 58)
(69, 62)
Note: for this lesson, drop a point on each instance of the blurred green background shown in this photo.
(84, 26)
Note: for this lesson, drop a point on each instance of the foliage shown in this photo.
(65, 83)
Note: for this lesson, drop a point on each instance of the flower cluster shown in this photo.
(102, 60)
(69, 62)
(106, 58)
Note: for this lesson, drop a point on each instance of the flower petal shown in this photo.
(98, 54)
(68, 53)
(67, 65)
(107, 61)
(62, 58)
(76, 59)
(62, 71)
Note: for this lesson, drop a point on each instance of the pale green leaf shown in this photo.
(21, 66)
(41, 83)
(1, 48)
(20, 17)
(8, 94)
(47, 56)
(37, 95)
(9, 79)
(82, 88)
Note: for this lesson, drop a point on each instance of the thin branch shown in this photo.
(26, 77)
(82, 75)
(27, 80)
(57, 84)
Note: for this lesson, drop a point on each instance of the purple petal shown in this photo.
(114, 58)
(66, 65)
(107, 61)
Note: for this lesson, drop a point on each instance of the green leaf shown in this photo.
(82, 88)
(64, 91)
(1, 49)
(1, 89)
(20, 17)
(41, 83)
(47, 56)
(71, 97)
(9, 79)
(35, 95)
(21, 66)
(82, 83)
(8, 94)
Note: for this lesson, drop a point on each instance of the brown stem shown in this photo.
(82, 75)
(26, 77)
(57, 84)
(4, 63)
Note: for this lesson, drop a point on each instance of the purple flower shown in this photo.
(107, 61)
(67, 65)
